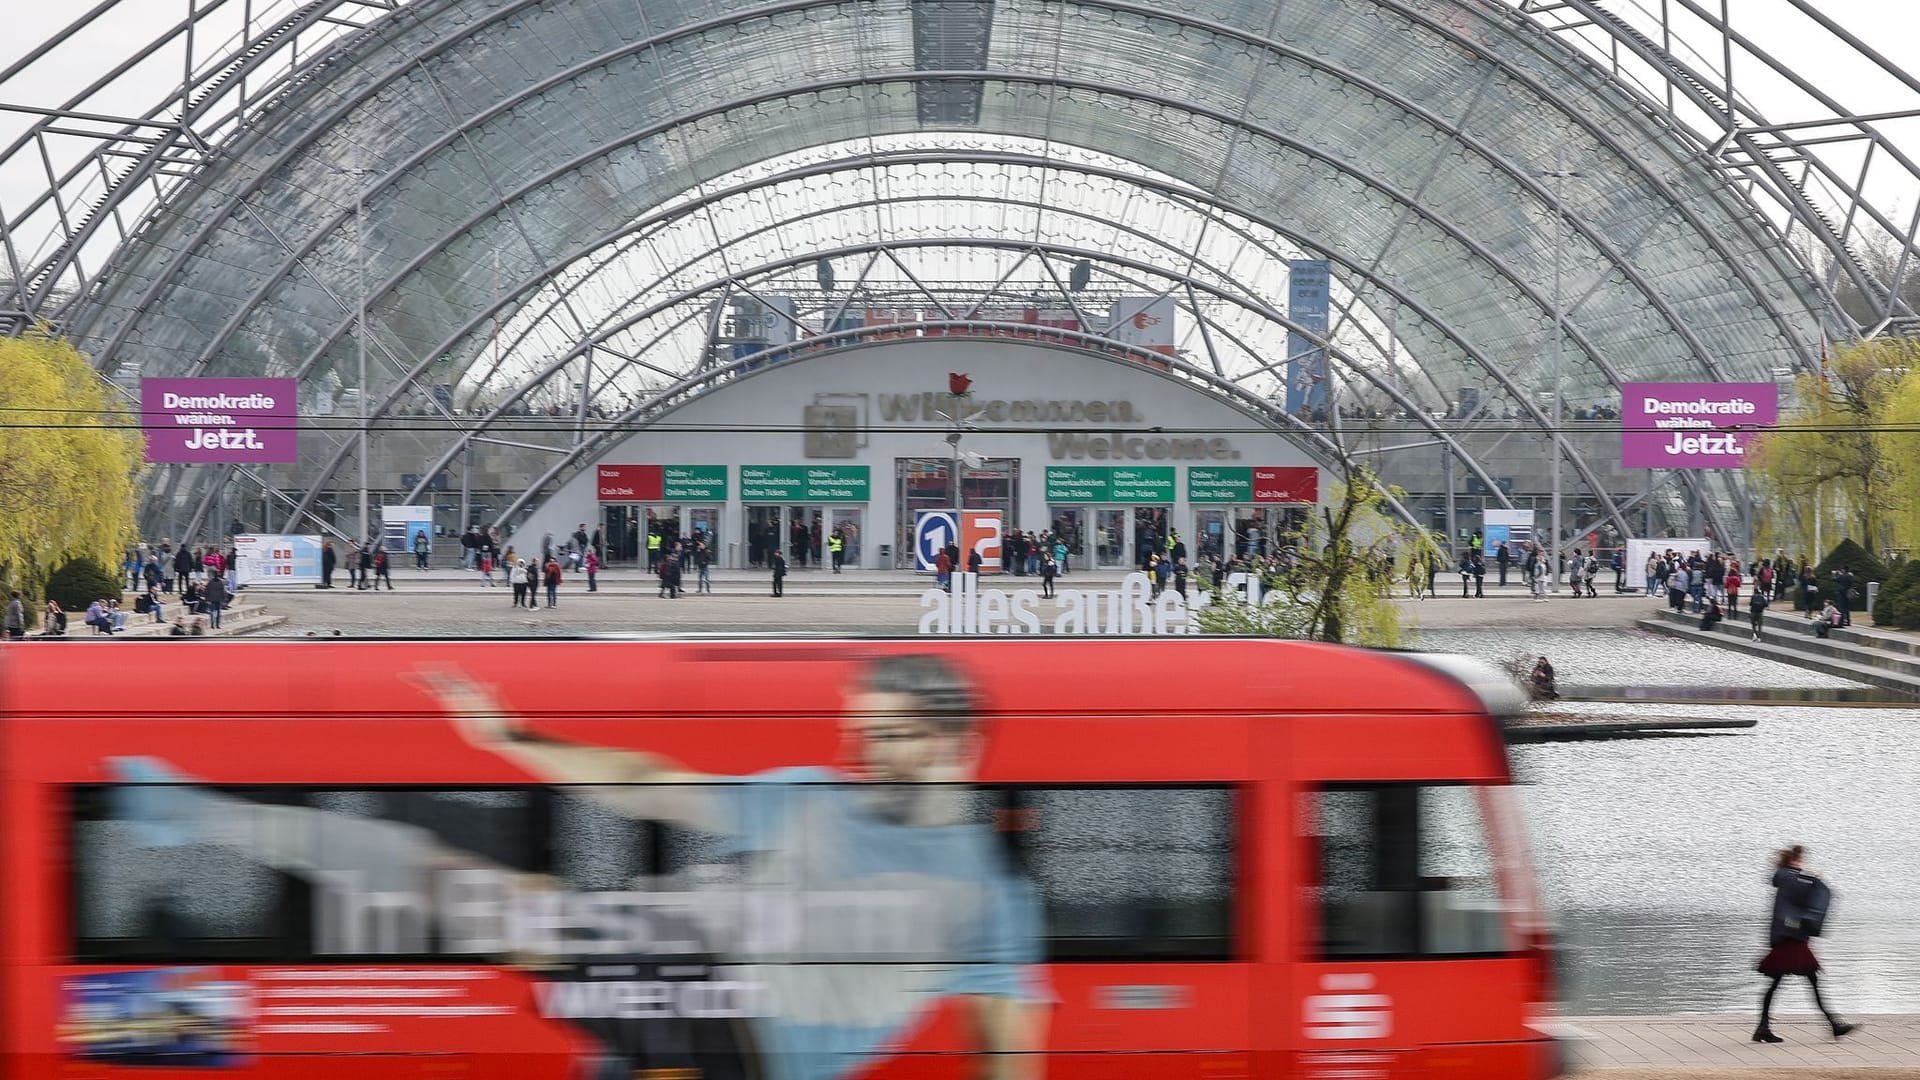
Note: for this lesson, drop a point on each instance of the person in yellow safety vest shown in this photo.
(838, 547)
(653, 551)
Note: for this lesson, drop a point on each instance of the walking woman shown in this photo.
(1799, 908)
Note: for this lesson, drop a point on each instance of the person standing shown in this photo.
(1048, 567)
(1757, 612)
(943, 570)
(973, 566)
(215, 599)
(1466, 574)
(420, 549)
(552, 577)
(593, 570)
(381, 569)
(1843, 594)
(469, 548)
(517, 577)
(328, 559)
(837, 548)
(1799, 907)
(16, 617)
(183, 568)
(1479, 567)
(1733, 583)
(486, 567)
(779, 563)
(365, 560)
(1538, 578)
(703, 561)
(1503, 558)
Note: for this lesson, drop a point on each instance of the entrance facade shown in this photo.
(793, 450)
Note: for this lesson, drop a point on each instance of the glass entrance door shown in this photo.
(764, 535)
(623, 523)
(704, 525)
(1149, 533)
(1110, 537)
(1069, 523)
(805, 535)
(1209, 535)
(925, 484)
(850, 523)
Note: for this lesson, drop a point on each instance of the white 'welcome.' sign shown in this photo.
(1132, 609)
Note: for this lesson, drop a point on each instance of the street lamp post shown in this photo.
(360, 347)
(1556, 541)
(360, 338)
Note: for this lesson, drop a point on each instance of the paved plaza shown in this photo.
(455, 602)
(1718, 1048)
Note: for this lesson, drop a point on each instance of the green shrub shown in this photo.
(1858, 561)
(1899, 601)
(81, 582)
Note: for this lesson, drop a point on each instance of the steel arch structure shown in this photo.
(548, 182)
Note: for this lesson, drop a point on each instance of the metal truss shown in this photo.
(106, 181)
(1690, 61)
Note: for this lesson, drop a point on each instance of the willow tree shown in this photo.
(1897, 437)
(1827, 456)
(1337, 580)
(69, 452)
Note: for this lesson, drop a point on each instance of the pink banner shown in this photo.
(224, 421)
(1693, 425)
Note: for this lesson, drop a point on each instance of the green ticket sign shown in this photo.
(1077, 484)
(1153, 484)
(1229, 485)
(805, 483)
(1100, 484)
(693, 483)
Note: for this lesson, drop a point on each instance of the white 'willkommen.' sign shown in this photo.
(1132, 609)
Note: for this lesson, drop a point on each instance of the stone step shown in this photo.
(1799, 648)
(242, 618)
(1859, 633)
(1861, 647)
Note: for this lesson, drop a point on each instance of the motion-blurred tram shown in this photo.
(783, 859)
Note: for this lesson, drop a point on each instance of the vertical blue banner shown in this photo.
(1306, 362)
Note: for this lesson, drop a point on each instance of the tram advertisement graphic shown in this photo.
(796, 923)
(182, 1016)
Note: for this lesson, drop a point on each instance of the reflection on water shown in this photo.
(1655, 854)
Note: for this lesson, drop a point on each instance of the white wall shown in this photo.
(728, 426)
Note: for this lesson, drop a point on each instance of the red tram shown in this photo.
(723, 860)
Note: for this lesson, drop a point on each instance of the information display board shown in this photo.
(399, 525)
(276, 559)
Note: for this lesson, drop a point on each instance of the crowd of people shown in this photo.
(1711, 586)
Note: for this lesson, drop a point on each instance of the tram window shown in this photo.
(289, 874)
(1128, 873)
(1405, 871)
